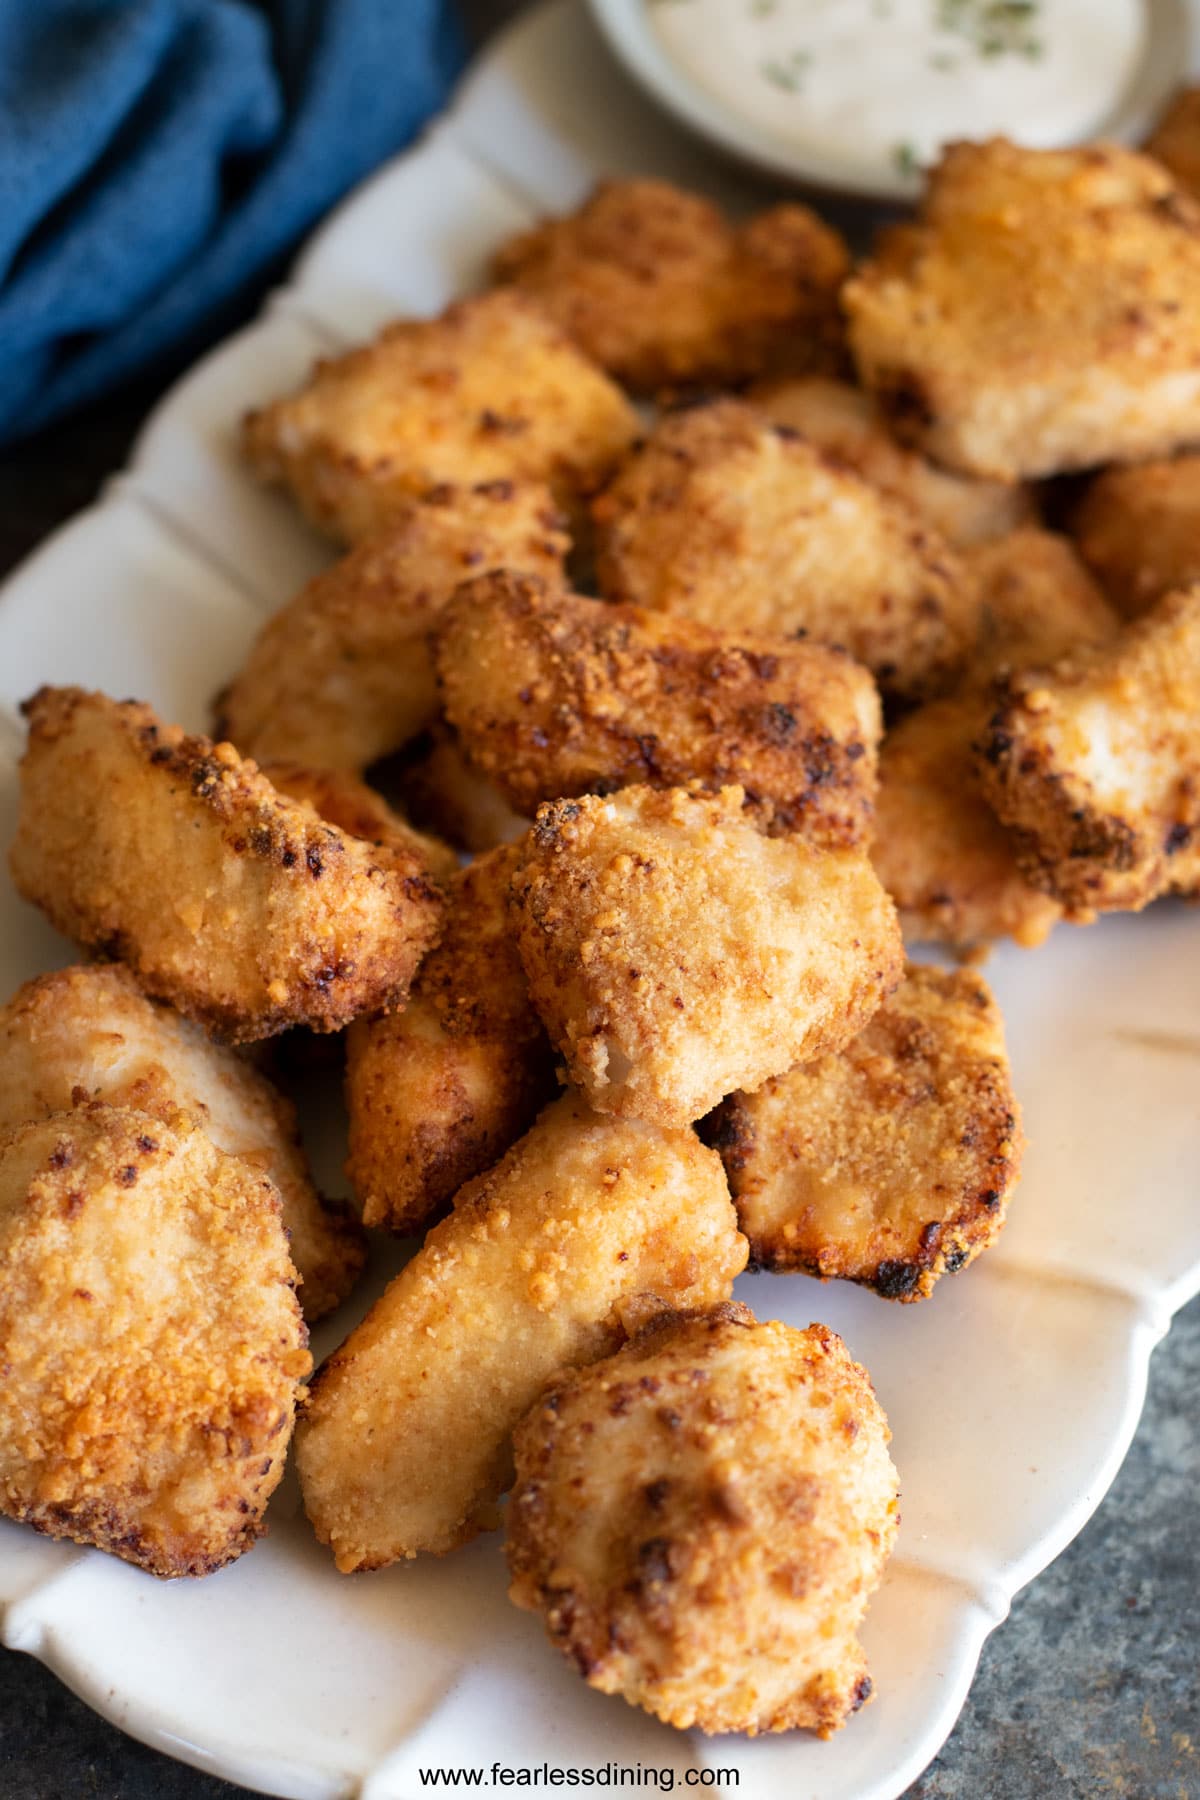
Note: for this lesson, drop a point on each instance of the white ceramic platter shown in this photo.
(1013, 1393)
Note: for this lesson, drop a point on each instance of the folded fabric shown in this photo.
(157, 157)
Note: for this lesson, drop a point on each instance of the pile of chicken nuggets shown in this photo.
(590, 800)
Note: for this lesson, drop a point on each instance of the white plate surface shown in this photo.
(1013, 1392)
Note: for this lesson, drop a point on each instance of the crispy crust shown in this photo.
(1094, 764)
(88, 1034)
(177, 857)
(360, 811)
(658, 287)
(341, 676)
(724, 518)
(1175, 141)
(438, 1092)
(1139, 530)
(555, 695)
(849, 425)
(585, 1229)
(1043, 314)
(939, 849)
(490, 391)
(675, 953)
(891, 1163)
(150, 1338)
(701, 1519)
(1037, 603)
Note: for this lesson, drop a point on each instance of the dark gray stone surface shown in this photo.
(1090, 1689)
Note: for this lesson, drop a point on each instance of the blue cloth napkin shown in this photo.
(157, 157)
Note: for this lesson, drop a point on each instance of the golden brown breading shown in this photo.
(1175, 141)
(360, 811)
(1037, 602)
(150, 1338)
(438, 1092)
(174, 855)
(585, 1229)
(552, 694)
(490, 391)
(660, 289)
(849, 425)
(1094, 763)
(891, 1163)
(342, 675)
(86, 1033)
(1042, 315)
(1139, 530)
(724, 518)
(939, 849)
(675, 953)
(445, 794)
(702, 1518)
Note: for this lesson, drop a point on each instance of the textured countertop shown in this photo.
(1090, 1688)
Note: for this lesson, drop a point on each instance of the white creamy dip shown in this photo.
(883, 84)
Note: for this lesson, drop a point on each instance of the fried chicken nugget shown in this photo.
(724, 518)
(675, 953)
(342, 675)
(939, 849)
(1043, 314)
(174, 855)
(1175, 141)
(702, 1518)
(849, 425)
(150, 1338)
(342, 800)
(87, 1033)
(1037, 603)
(490, 391)
(585, 1229)
(446, 794)
(892, 1162)
(660, 289)
(1139, 530)
(552, 694)
(438, 1092)
(1094, 764)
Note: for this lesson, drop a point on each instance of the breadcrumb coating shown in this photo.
(585, 1229)
(438, 1092)
(87, 1034)
(444, 793)
(1175, 140)
(1139, 531)
(150, 1338)
(660, 289)
(675, 953)
(892, 1162)
(552, 694)
(1094, 764)
(743, 526)
(702, 1518)
(850, 426)
(490, 391)
(342, 676)
(177, 857)
(1037, 602)
(1043, 314)
(939, 849)
(360, 811)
